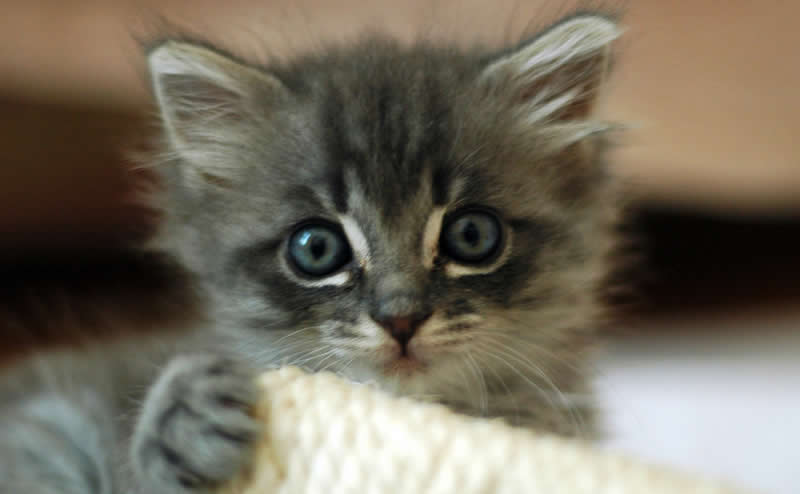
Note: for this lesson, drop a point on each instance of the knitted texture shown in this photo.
(327, 436)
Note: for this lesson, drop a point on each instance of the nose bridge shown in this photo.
(398, 281)
(399, 293)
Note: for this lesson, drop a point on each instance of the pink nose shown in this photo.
(403, 328)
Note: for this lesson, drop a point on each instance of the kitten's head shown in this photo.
(413, 215)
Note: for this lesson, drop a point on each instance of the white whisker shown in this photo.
(512, 354)
(483, 392)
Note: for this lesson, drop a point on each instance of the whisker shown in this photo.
(483, 392)
(511, 395)
(292, 333)
(331, 353)
(541, 351)
(465, 376)
(316, 353)
(504, 359)
(511, 353)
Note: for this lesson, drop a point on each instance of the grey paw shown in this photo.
(196, 430)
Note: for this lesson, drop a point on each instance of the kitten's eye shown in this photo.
(318, 249)
(471, 237)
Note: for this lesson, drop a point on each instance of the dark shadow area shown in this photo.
(693, 261)
(77, 296)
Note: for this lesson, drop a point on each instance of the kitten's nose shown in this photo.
(402, 328)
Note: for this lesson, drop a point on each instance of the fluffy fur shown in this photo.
(385, 140)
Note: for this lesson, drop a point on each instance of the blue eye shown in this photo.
(318, 249)
(471, 237)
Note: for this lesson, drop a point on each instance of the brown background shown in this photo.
(711, 86)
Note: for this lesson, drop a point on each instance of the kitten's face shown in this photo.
(419, 217)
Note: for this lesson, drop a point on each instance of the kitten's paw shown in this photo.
(196, 430)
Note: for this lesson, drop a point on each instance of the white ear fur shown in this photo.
(556, 75)
(202, 96)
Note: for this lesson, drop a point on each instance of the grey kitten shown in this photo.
(433, 220)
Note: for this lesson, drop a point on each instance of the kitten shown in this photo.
(433, 220)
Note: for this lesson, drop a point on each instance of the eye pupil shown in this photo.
(471, 234)
(318, 247)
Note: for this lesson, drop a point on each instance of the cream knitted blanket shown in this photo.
(326, 436)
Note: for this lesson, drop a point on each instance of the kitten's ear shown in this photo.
(204, 97)
(555, 76)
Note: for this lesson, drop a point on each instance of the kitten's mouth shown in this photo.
(415, 357)
(405, 363)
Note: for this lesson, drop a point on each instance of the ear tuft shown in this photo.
(556, 75)
(204, 96)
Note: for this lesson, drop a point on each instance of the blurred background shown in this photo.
(704, 369)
